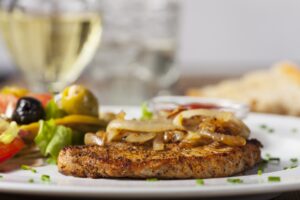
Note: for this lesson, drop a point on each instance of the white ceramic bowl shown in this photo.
(170, 102)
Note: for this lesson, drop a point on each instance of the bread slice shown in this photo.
(124, 160)
(276, 90)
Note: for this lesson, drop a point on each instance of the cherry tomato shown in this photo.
(7, 99)
(9, 150)
(44, 98)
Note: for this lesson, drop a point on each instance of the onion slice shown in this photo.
(227, 117)
(229, 140)
(139, 137)
(91, 138)
(117, 126)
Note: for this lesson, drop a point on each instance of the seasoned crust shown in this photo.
(123, 160)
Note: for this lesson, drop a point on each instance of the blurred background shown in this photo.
(150, 48)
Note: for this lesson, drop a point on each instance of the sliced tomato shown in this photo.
(44, 98)
(9, 150)
(7, 99)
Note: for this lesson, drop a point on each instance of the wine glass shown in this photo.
(51, 41)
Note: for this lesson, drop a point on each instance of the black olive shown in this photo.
(28, 110)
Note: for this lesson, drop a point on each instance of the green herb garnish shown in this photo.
(259, 172)
(199, 181)
(1, 176)
(146, 113)
(151, 179)
(274, 160)
(271, 130)
(294, 130)
(292, 167)
(26, 167)
(294, 160)
(31, 180)
(263, 164)
(274, 179)
(234, 180)
(268, 155)
(270, 159)
(45, 178)
(263, 126)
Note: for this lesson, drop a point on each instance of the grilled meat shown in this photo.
(123, 160)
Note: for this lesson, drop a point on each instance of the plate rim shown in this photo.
(174, 191)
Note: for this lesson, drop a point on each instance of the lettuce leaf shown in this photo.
(45, 134)
(53, 111)
(52, 138)
(146, 113)
(61, 138)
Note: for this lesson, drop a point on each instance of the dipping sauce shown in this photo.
(191, 106)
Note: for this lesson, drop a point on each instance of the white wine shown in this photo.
(51, 49)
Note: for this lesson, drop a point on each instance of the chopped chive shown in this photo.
(26, 167)
(274, 160)
(199, 181)
(268, 155)
(262, 165)
(31, 180)
(270, 159)
(45, 178)
(271, 130)
(274, 179)
(234, 180)
(259, 172)
(264, 161)
(294, 130)
(263, 126)
(1, 176)
(294, 160)
(290, 167)
(151, 179)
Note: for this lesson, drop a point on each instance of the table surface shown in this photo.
(181, 86)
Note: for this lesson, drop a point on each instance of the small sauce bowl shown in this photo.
(169, 103)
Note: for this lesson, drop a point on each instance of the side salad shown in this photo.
(42, 124)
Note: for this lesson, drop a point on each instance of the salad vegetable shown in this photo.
(68, 120)
(76, 99)
(15, 91)
(28, 110)
(50, 122)
(146, 113)
(9, 150)
(52, 138)
(53, 111)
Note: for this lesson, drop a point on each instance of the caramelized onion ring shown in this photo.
(230, 140)
(117, 126)
(139, 137)
(219, 115)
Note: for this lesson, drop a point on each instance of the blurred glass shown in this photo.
(51, 41)
(137, 57)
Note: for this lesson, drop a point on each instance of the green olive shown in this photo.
(77, 99)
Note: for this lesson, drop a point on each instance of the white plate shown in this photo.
(283, 142)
